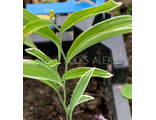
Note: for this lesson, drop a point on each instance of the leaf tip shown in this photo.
(119, 3)
(111, 75)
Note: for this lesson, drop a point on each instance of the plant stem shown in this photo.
(70, 116)
(60, 47)
(66, 67)
(60, 50)
(64, 90)
(66, 116)
(56, 26)
(63, 54)
(59, 53)
(62, 102)
(61, 38)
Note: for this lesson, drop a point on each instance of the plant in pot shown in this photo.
(44, 69)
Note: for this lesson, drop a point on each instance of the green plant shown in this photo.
(28, 42)
(127, 90)
(45, 69)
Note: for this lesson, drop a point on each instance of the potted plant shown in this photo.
(45, 69)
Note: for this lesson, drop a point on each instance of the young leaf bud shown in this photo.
(52, 13)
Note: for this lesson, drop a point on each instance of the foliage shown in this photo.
(45, 69)
(127, 90)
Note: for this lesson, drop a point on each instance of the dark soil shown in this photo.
(128, 45)
(41, 102)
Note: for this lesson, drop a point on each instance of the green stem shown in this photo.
(66, 67)
(60, 47)
(56, 27)
(60, 50)
(59, 53)
(64, 90)
(66, 116)
(63, 54)
(70, 116)
(61, 39)
(62, 102)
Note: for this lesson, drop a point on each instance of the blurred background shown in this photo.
(40, 1)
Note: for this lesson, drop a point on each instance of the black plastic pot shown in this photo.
(109, 55)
